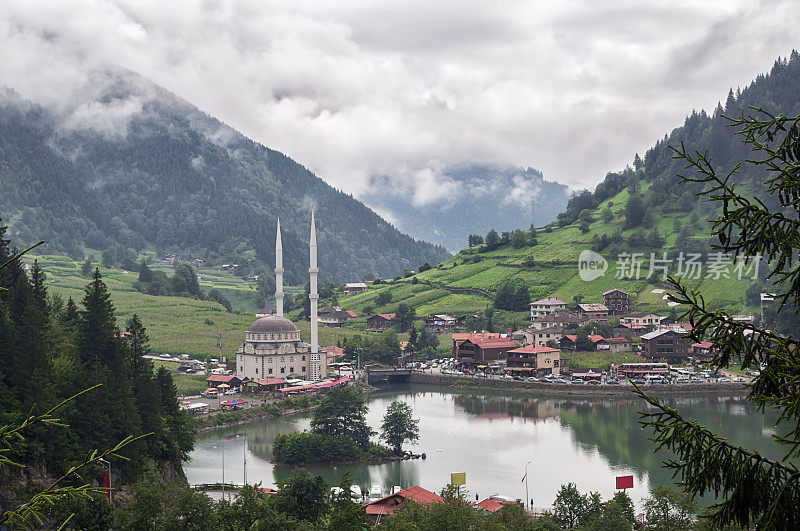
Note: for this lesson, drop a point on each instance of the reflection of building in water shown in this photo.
(489, 407)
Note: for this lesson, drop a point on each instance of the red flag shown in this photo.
(624, 482)
(523, 477)
(107, 480)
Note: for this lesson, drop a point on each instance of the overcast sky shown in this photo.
(357, 88)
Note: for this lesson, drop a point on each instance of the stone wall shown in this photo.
(550, 389)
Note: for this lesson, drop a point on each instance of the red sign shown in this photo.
(624, 482)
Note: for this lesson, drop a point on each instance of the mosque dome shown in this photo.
(271, 324)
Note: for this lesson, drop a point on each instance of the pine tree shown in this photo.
(753, 492)
(39, 289)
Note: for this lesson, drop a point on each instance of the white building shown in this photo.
(546, 306)
(272, 345)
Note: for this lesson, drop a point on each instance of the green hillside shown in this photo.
(643, 209)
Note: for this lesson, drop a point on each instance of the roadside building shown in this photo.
(272, 349)
(702, 350)
(460, 337)
(641, 319)
(617, 301)
(568, 343)
(524, 336)
(389, 504)
(553, 333)
(533, 360)
(492, 505)
(638, 370)
(614, 344)
(480, 353)
(354, 287)
(217, 379)
(631, 330)
(593, 312)
(440, 323)
(381, 322)
(562, 319)
(265, 386)
(666, 343)
(546, 306)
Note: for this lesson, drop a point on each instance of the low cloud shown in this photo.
(392, 92)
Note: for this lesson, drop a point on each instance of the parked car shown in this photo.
(723, 380)
(533, 379)
(578, 381)
(638, 381)
(753, 373)
(593, 382)
(739, 379)
(559, 380)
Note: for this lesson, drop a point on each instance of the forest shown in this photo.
(169, 184)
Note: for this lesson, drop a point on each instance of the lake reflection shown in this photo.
(491, 436)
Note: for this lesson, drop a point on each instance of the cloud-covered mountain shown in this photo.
(127, 166)
(470, 199)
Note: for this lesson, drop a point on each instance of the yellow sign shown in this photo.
(458, 478)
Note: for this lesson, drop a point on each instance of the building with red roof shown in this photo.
(614, 344)
(479, 352)
(534, 360)
(704, 349)
(380, 322)
(389, 504)
(217, 379)
(492, 505)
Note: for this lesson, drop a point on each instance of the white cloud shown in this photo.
(361, 91)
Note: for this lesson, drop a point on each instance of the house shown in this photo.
(593, 312)
(639, 370)
(333, 352)
(545, 306)
(479, 353)
(533, 360)
(543, 336)
(641, 318)
(268, 309)
(614, 344)
(617, 301)
(702, 349)
(440, 323)
(567, 343)
(216, 379)
(631, 330)
(460, 337)
(265, 386)
(389, 504)
(354, 287)
(563, 319)
(380, 322)
(668, 343)
(333, 316)
(524, 336)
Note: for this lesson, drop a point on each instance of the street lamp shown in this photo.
(527, 499)
(108, 477)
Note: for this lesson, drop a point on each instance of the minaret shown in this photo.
(279, 272)
(314, 368)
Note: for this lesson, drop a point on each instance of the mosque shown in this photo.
(272, 347)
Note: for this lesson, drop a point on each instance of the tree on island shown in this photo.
(343, 412)
(399, 426)
(753, 492)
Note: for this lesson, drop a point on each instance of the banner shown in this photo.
(624, 482)
(458, 478)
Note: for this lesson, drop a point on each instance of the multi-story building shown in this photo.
(545, 306)
(641, 318)
(593, 312)
(562, 319)
(534, 360)
(671, 344)
(617, 301)
(479, 353)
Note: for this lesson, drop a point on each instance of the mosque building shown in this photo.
(272, 347)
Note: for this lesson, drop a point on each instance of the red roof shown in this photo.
(702, 344)
(492, 505)
(613, 290)
(351, 313)
(616, 340)
(534, 349)
(271, 381)
(633, 326)
(333, 351)
(388, 504)
(220, 378)
(457, 336)
(572, 337)
(596, 337)
(297, 388)
(496, 342)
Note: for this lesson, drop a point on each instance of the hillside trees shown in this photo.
(512, 295)
(752, 491)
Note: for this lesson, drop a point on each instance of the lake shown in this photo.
(491, 436)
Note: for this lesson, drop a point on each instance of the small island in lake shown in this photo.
(340, 434)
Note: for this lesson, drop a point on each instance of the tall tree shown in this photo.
(398, 426)
(752, 491)
(343, 412)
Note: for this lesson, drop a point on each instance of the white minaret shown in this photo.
(279, 272)
(314, 368)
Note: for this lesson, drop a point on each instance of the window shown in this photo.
(283, 370)
(256, 370)
(283, 359)
(291, 358)
(270, 371)
(241, 369)
(291, 369)
(303, 358)
(304, 369)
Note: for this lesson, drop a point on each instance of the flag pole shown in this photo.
(527, 498)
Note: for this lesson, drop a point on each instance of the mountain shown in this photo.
(131, 168)
(473, 199)
(642, 209)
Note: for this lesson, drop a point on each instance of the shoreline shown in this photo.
(373, 461)
(575, 390)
